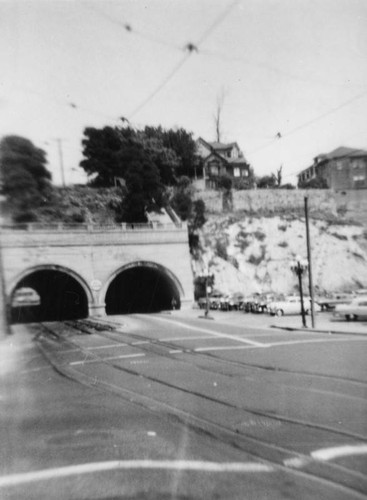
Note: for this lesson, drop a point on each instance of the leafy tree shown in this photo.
(182, 143)
(102, 154)
(109, 151)
(145, 191)
(25, 178)
(267, 181)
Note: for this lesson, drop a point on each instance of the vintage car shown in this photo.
(329, 303)
(232, 302)
(214, 299)
(25, 297)
(290, 305)
(356, 309)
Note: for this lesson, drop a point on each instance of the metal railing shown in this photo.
(55, 227)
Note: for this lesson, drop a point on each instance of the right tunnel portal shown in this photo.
(142, 288)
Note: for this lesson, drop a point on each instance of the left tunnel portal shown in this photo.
(61, 297)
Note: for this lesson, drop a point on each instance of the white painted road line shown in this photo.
(226, 348)
(314, 341)
(211, 332)
(107, 346)
(178, 339)
(325, 454)
(175, 465)
(100, 360)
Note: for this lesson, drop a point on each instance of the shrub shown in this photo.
(259, 235)
(221, 249)
(283, 244)
(242, 240)
(257, 260)
(339, 236)
(282, 227)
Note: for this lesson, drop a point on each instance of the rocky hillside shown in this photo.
(253, 254)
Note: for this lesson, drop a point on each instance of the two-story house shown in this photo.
(221, 159)
(343, 168)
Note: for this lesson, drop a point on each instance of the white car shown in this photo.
(356, 309)
(291, 305)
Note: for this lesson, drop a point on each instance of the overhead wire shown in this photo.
(309, 122)
(190, 48)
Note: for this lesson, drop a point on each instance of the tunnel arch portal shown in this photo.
(143, 287)
(63, 295)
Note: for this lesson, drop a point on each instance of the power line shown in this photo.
(190, 47)
(310, 122)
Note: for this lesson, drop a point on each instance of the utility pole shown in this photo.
(310, 282)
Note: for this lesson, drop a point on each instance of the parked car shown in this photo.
(290, 305)
(329, 303)
(214, 299)
(232, 302)
(25, 297)
(356, 309)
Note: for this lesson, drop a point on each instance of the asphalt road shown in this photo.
(174, 407)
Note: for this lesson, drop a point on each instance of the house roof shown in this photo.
(228, 161)
(221, 145)
(342, 152)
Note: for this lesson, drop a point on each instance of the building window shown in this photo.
(360, 177)
(213, 169)
(236, 172)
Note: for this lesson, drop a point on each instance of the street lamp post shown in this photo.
(299, 266)
(206, 276)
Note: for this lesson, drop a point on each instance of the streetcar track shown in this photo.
(167, 344)
(257, 413)
(323, 472)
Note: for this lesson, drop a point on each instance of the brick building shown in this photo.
(343, 168)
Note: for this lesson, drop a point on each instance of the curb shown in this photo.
(316, 330)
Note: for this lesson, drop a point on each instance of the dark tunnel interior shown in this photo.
(62, 297)
(141, 289)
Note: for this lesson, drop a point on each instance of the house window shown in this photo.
(244, 173)
(236, 172)
(213, 169)
(360, 177)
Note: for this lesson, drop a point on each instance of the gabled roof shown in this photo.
(221, 145)
(227, 161)
(342, 152)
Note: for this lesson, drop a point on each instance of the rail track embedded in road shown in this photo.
(238, 438)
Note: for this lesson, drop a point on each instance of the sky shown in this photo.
(291, 74)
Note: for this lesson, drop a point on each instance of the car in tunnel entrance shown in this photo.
(25, 297)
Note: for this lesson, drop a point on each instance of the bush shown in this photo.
(283, 244)
(259, 235)
(221, 249)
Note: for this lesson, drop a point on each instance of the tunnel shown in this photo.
(142, 289)
(61, 296)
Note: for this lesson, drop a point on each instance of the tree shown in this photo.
(279, 175)
(218, 115)
(182, 143)
(109, 151)
(267, 181)
(25, 178)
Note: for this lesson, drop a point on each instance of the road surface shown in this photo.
(172, 407)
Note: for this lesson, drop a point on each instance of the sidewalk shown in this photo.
(324, 321)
